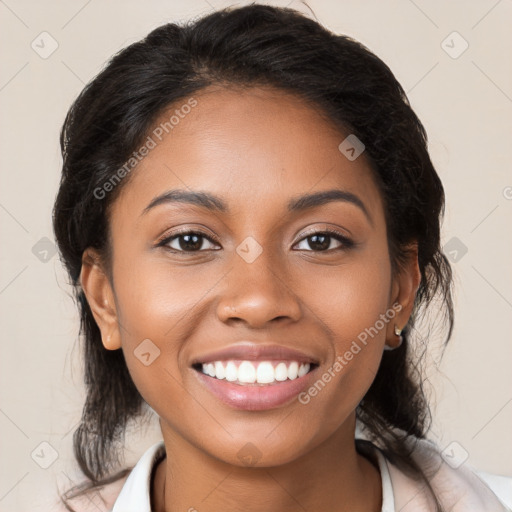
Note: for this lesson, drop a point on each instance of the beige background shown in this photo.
(465, 104)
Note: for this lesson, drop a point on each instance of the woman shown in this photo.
(251, 220)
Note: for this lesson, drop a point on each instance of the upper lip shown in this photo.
(255, 352)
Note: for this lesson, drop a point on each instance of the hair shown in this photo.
(251, 46)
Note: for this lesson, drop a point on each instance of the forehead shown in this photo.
(254, 147)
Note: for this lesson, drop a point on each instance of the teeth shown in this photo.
(302, 370)
(264, 373)
(293, 370)
(219, 370)
(246, 372)
(231, 371)
(281, 372)
(210, 370)
(250, 372)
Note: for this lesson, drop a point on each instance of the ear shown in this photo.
(100, 296)
(403, 292)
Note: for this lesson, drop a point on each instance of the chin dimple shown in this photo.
(255, 372)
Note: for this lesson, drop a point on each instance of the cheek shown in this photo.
(354, 307)
(154, 308)
(158, 300)
(350, 298)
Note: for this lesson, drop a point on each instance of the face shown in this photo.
(263, 275)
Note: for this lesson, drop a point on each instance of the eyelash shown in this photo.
(347, 243)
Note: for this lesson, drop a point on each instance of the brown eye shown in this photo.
(189, 241)
(322, 241)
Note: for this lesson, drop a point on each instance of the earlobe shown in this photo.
(405, 287)
(100, 297)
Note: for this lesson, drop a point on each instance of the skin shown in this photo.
(256, 148)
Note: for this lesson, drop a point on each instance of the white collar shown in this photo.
(135, 493)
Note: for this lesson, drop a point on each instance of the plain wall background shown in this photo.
(465, 104)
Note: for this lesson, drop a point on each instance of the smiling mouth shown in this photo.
(255, 373)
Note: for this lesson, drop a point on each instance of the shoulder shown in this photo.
(459, 486)
(128, 490)
(500, 485)
(99, 499)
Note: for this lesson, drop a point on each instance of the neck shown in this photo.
(332, 476)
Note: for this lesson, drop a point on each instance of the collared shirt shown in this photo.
(461, 488)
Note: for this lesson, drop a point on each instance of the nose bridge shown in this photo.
(255, 288)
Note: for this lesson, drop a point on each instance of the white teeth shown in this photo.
(210, 370)
(231, 371)
(219, 370)
(250, 372)
(303, 369)
(265, 373)
(293, 370)
(246, 372)
(281, 372)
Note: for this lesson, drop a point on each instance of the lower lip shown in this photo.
(255, 397)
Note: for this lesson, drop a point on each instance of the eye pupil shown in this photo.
(319, 246)
(189, 245)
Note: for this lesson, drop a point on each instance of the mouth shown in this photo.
(254, 376)
(251, 385)
(255, 373)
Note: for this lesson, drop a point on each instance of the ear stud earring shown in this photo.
(398, 332)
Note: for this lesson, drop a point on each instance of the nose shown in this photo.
(257, 293)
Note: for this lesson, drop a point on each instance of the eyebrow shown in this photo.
(216, 204)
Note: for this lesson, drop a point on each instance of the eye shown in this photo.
(321, 241)
(195, 241)
(187, 241)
